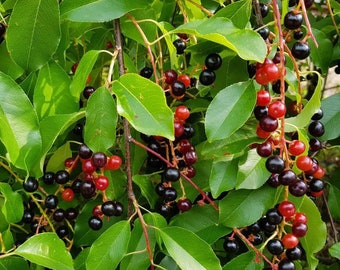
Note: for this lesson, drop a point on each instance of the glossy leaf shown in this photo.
(245, 261)
(303, 118)
(20, 135)
(80, 260)
(334, 250)
(57, 161)
(32, 22)
(12, 208)
(334, 201)
(136, 99)
(331, 117)
(99, 10)
(147, 188)
(13, 262)
(243, 207)
(238, 12)
(83, 70)
(321, 58)
(7, 65)
(207, 228)
(46, 249)
(252, 172)
(179, 242)
(223, 176)
(52, 92)
(222, 31)
(141, 260)
(315, 238)
(111, 245)
(229, 110)
(101, 121)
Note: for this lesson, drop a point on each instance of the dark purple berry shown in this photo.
(58, 215)
(273, 216)
(84, 152)
(48, 178)
(298, 188)
(146, 72)
(51, 202)
(268, 123)
(294, 253)
(264, 149)
(318, 115)
(62, 177)
(314, 145)
(275, 164)
(180, 46)
(95, 223)
(275, 247)
(316, 185)
(316, 128)
(213, 61)
(231, 245)
(286, 264)
(88, 189)
(170, 194)
(30, 184)
(264, 32)
(71, 214)
(178, 88)
(293, 20)
(171, 174)
(207, 77)
(62, 231)
(287, 177)
(300, 50)
(88, 91)
(260, 111)
(99, 159)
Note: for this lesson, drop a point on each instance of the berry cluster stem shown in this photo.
(127, 135)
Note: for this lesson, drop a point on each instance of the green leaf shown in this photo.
(19, 127)
(331, 117)
(222, 31)
(101, 121)
(141, 260)
(7, 65)
(52, 92)
(315, 238)
(57, 161)
(12, 208)
(49, 135)
(252, 172)
(136, 100)
(144, 182)
(243, 207)
(13, 262)
(321, 57)
(335, 250)
(36, 24)
(80, 260)
(245, 261)
(303, 118)
(229, 110)
(83, 70)
(46, 249)
(238, 12)
(179, 243)
(207, 228)
(111, 245)
(223, 176)
(334, 201)
(98, 10)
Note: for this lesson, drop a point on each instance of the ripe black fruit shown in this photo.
(231, 245)
(180, 46)
(275, 246)
(300, 50)
(51, 201)
(213, 61)
(275, 164)
(207, 77)
(95, 223)
(84, 152)
(316, 128)
(62, 177)
(264, 32)
(31, 184)
(171, 174)
(146, 72)
(178, 88)
(293, 20)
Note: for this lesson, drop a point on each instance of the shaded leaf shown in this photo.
(179, 243)
(36, 24)
(334, 201)
(46, 249)
(101, 121)
(229, 110)
(80, 260)
(303, 118)
(13, 262)
(222, 31)
(99, 10)
(111, 252)
(144, 182)
(207, 228)
(252, 172)
(19, 127)
(331, 117)
(52, 92)
(13, 207)
(136, 99)
(223, 176)
(245, 261)
(243, 207)
(335, 250)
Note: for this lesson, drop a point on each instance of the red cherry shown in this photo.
(320, 172)
(300, 218)
(262, 98)
(67, 195)
(277, 109)
(182, 113)
(179, 129)
(304, 163)
(70, 163)
(184, 78)
(170, 76)
(290, 241)
(74, 67)
(113, 163)
(97, 211)
(101, 182)
(261, 133)
(296, 147)
(317, 194)
(287, 209)
(88, 166)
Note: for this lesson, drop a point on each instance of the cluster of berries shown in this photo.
(279, 230)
